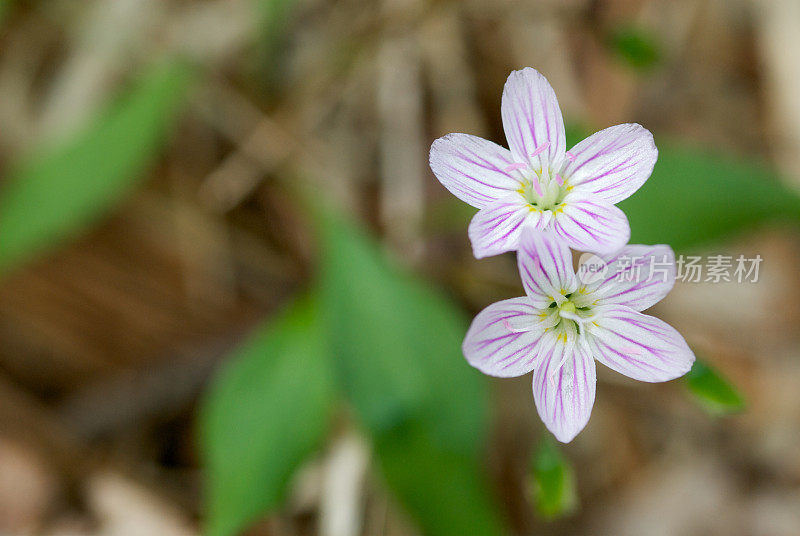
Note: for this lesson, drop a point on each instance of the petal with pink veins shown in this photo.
(637, 277)
(589, 224)
(502, 340)
(532, 119)
(637, 345)
(496, 228)
(475, 170)
(564, 385)
(545, 266)
(613, 163)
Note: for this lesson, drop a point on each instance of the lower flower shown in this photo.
(564, 324)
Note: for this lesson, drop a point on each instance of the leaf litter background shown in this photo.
(174, 260)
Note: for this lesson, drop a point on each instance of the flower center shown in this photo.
(543, 189)
(567, 307)
(568, 314)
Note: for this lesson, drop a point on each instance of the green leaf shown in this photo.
(635, 46)
(266, 412)
(56, 194)
(272, 23)
(396, 339)
(442, 488)
(5, 5)
(695, 198)
(369, 335)
(270, 14)
(716, 394)
(553, 481)
(398, 352)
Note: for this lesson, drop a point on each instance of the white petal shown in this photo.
(612, 163)
(637, 345)
(473, 169)
(502, 339)
(638, 277)
(532, 118)
(588, 224)
(545, 266)
(564, 394)
(496, 228)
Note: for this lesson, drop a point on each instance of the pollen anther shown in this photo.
(539, 150)
(512, 167)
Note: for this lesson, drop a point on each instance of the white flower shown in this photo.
(563, 324)
(538, 183)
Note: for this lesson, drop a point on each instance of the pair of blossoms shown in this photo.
(541, 200)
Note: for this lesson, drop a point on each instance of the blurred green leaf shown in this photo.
(267, 410)
(636, 46)
(445, 490)
(398, 348)
(396, 339)
(4, 7)
(271, 13)
(55, 194)
(716, 394)
(696, 198)
(271, 25)
(553, 481)
(370, 336)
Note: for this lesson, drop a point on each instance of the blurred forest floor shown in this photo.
(108, 342)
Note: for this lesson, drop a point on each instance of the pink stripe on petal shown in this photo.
(638, 276)
(532, 118)
(591, 225)
(637, 345)
(494, 349)
(473, 169)
(564, 395)
(497, 227)
(545, 266)
(613, 163)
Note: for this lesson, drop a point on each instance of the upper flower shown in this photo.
(564, 323)
(538, 183)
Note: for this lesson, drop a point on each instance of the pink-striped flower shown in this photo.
(563, 324)
(538, 183)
